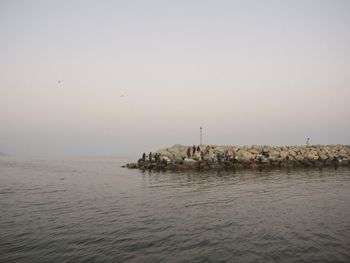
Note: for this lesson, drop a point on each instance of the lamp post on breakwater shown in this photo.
(200, 134)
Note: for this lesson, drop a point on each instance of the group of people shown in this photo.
(261, 157)
(212, 155)
(156, 157)
(195, 152)
(151, 156)
(230, 156)
(208, 153)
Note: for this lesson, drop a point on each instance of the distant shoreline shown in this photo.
(227, 157)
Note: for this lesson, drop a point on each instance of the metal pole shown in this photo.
(201, 135)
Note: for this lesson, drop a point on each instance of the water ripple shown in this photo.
(91, 210)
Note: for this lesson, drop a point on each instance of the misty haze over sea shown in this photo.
(121, 78)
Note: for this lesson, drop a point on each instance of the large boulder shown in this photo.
(274, 154)
(292, 153)
(254, 151)
(343, 151)
(179, 160)
(190, 163)
(178, 150)
(132, 165)
(284, 154)
(299, 157)
(164, 152)
(244, 156)
(220, 148)
(322, 155)
(312, 156)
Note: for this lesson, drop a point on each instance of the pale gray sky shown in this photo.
(249, 72)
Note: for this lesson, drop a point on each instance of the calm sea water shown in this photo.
(91, 210)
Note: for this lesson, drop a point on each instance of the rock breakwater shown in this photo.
(207, 157)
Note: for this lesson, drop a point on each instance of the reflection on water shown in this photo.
(90, 209)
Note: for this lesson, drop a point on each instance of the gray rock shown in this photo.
(292, 153)
(132, 165)
(299, 157)
(179, 161)
(323, 157)
(254, 151)
(244, 156)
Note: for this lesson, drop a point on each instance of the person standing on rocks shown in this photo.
(172, 158)
(193, 149)
(150, 157)
(307, 142)
(198, 156)
(211, 154)
(157, 157)
(253, 160)
(143, 157)
(227, 156)
(189, 152)
(259, 157)
(219, 158)
(233, 156)
(207, 150)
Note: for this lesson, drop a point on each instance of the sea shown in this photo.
(90, 209)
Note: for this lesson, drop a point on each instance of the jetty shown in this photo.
(214, 157)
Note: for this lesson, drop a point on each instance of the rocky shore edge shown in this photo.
(212, 157)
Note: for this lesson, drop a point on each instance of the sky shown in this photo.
(124, 77)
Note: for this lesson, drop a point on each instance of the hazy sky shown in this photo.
(123, 77)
